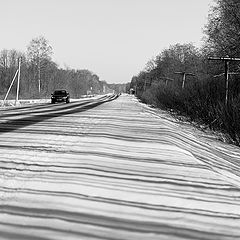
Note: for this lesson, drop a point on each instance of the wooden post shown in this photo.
(226, 72)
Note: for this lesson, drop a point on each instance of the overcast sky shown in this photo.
(112, 38)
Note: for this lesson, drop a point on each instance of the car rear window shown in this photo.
(60, 92)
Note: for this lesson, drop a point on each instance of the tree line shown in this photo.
(182, 79)
(40, 75)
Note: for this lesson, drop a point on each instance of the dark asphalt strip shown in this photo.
(40, 116)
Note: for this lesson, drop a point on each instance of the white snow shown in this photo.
(120, 170)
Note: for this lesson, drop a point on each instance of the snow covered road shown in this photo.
(100, 169)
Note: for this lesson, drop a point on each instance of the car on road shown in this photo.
(60, 96)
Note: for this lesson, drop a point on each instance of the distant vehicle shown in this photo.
(132, 91)
(60, 96)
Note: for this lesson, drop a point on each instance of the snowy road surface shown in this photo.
(100, 169)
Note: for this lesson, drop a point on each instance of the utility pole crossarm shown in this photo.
(234, 73)
(181, 73)
(166, 78)
(186, 73)
(224, 58)
(191, 74)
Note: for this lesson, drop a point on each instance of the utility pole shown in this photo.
(226, 61)
(10, 87)
(184, 74)
(226, 69)
(17, 74)
(39, 76)
(2, 65)
(18, 81)
(166, 79)
(145, 84)
(136, 89)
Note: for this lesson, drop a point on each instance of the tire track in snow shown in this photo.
(115, 171)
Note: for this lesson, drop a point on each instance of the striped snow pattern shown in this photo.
(113, 169)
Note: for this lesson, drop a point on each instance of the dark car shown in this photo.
(60, 96)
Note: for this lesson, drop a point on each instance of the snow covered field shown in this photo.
(117, 170)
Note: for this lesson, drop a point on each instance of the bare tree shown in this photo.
(223, 28)
(38, 51)
(8, 66)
